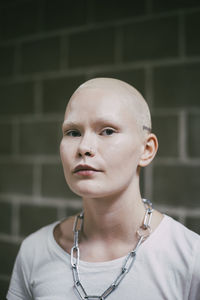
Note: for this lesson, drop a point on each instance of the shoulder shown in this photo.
(38, 235)
(179, 232)
(179, 238)
(175, 242)
(39, 245)
(32, 250)
(180, 244)
(172, 253)
(36, 243)
(176, 246)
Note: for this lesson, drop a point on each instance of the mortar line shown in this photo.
(149, 86)
(15, 224)
(17, 60)
(38, 96)
(102, 25)
(182, 135)
(149, 7)
(41, 16)
(15, 136)
(37, 177)
(118, 45)
(90, 12)
(64, 52)
(77, 71)
(181, 34)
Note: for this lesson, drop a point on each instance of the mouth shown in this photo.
(85, 168)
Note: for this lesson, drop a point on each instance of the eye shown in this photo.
(73, 133)
(107, 131)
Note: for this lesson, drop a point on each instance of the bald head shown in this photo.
(136, 103)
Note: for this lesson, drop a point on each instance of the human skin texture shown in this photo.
(104, 145)
(102, 121)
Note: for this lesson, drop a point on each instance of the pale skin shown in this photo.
(102, 128)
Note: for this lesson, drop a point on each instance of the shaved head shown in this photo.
(129, 95)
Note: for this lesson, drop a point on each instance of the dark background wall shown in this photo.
(47, 48)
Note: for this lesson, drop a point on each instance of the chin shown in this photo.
(87, 193)
(85, 190)
(88, 190)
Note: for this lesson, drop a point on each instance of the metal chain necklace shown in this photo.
(143, 232)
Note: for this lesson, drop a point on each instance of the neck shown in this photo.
(113, 218)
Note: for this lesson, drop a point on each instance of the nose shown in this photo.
(87, 146)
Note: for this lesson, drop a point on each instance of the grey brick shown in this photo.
(16, 98)
(53, 182)
(34, 217)
(41, 55)
(161, 6)
(151, 39)
(5, 217)
(64, 14)
(177, 86)
(192, 33)
(134, 77)
(58, 91)
(7, 257)
(39, 138)
(193, 142)
(193, 224)
(166, 129)
(3, 288)
(6, 141)
(19, 19)
(114, 10)
(6, 60)
(94, 47)
(177, 185)
(16, 178)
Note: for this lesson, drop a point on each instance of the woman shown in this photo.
(118, 247)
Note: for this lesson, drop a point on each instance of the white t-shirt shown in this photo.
(167, 266)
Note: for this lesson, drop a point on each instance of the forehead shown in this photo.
(93, 102)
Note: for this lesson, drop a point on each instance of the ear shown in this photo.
(149, 150)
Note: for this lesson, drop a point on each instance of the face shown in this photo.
(101, 145)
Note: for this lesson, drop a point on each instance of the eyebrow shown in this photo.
(97, 121)
(70, 124)
(146, 128)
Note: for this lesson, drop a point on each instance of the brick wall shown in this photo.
(46, 51)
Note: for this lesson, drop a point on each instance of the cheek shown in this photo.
(66, 158)
(62, 150)
(65, 154)
(122, 153)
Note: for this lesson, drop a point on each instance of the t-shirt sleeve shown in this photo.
(19, 285)
(194, 293)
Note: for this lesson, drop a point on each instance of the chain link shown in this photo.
(143, 232)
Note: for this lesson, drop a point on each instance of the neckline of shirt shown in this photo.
(115, 262)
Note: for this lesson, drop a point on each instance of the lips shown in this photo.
(84, 168)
